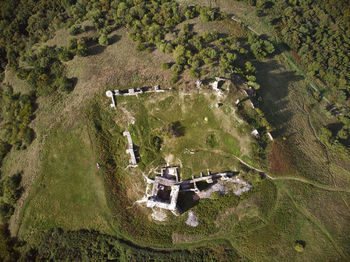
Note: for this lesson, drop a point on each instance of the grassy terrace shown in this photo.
(69, 192)
(203, 130)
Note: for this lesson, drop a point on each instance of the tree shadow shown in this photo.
(114, 38)
(280, 48)
(274, 90)
(95, 50)
(177, 129)
(88, 28)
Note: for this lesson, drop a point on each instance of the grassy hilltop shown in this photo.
(56, 125)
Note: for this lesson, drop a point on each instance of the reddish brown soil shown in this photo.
(278, 160)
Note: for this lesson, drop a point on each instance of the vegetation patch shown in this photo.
(69, 191)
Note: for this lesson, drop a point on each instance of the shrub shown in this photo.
(176, 68)
(73, 45)
(75, 30)
(168, 48)
(65, 55)
(82, 52)
(212, 140)
(193, 73)
(103, 40)
(165, 66)
(6, 210)
(179, 55)
(66, 84)
(177, 129)
(210, 36)
(299, 245)
(4, 149)
(140, 46)
(156, 143)
(174, 79)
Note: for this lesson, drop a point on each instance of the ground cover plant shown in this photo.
(64, 202)
(124, 188)
(76, 179)
(318, 34)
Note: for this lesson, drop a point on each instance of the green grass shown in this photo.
(262, 225)
(199, 118)
(68, 191)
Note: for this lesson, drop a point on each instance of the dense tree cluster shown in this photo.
(10, 192)
(23, 22)
(318, 32)
(82, 245)
(45, 72)
(17, 112)
(196, 52)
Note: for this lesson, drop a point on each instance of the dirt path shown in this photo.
(299, 179)
(315, 221)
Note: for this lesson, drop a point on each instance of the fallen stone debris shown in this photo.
(130, 150)
(167, 186)
(192, 220)
(132, 92)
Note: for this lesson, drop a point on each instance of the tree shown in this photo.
(177, 129)
(299, 245)
(6, 210)
(103, 40)
(176, 69)
(270, 49)
(66, 84)
(193, 73)
(165, 66)
(75, 30)
(179, 55)
(4, 149)
(65, 55)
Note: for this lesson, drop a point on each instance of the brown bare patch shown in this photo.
(178, 238)
(278, 160)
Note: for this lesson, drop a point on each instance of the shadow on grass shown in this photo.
(274, 91)
(186, 201)
(95, 50)
(113, 39)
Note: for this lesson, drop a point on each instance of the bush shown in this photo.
(75, 30)
(140, 46)
(65, 55)
(6, 210)
(212, 140)
(82, 52)
(73, 45)
(10, 187)
(156, 143)
(193, 73)
(179, 55)
(168, 48)
(210, 37)
(165, 66)
(66, 84)
(174, 79)
(4, 149)
(299, 245)
(103, 40)
(177, 129)
(176, 69)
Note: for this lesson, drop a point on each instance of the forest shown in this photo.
(318, 34)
